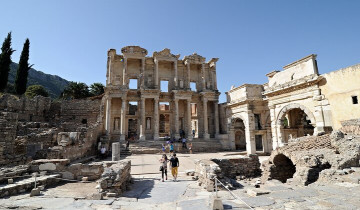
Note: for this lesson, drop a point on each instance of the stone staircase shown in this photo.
(153, 147)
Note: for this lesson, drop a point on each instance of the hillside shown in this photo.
(53, 83)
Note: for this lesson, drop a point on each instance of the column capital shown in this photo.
(205, 100)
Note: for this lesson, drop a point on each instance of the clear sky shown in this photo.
(251, 38)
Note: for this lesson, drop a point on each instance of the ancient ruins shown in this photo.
(307, 122)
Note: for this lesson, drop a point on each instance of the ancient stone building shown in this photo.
(296, 102)
(161, 95)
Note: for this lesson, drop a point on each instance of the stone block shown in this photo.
(35, 192)
(96, 196)
(47, 167)
(85, 179)
(10, 181)
(67, 175)
(109, 194)
(256, 192)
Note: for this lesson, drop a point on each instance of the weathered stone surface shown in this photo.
(47, 167)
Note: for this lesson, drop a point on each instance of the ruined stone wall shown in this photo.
(351, 126)
(248, 166)
(31, 127)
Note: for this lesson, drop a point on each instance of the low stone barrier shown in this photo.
(116, 177)
(226, 169)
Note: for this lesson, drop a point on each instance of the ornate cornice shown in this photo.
(165, 53)
(134, 50)
(194, 58)
(292, 85)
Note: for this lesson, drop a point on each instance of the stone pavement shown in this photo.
(148, 192)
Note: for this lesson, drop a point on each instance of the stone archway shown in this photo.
(293, 121)
(238, 128)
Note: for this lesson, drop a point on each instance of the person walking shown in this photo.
(163, 167)
(171, 148)
(174, 162)
(184, 143)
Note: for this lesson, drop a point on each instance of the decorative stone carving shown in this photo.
(136, 50)
(165, 53)
(194, 58)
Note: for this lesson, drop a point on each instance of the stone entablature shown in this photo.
(150, 73)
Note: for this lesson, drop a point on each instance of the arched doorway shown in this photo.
(295, 121)
(283, 168)
(239, 129)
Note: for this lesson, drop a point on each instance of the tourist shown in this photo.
(184, 143)
(174, 162)
(103, 152)
(127, 144)
(163, 167)
(171, 148)
(163, 148)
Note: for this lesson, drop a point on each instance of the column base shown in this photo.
(156, 137)
(217, 136)
(206, 136)
(177, 136)
(142, 138)
(122, 137)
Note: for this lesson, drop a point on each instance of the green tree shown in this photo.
(76, 90)
(36, 90)
(96, 89)
(5, 61)
(23, 69)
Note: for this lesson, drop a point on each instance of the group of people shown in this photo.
(173, 164)
(170, 145)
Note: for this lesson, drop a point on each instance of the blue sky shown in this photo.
(251, 38)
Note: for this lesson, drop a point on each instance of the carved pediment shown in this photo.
(194, 58)
(165, 53)
(134, 50)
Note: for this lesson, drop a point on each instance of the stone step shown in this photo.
(27, 184)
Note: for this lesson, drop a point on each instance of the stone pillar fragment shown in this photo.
(203, 76)
(249, 133)
(188, 75)
(205, 115)
(123, 118)
(115, 151)
(176, 118)
(124, 73)
(156, 79)
(108, 116)
(188, 110)
(142, 119)
(216, 113)
(176, 75)
(156, 119)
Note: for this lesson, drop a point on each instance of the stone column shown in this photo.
(216, 113)
(249, 133)
(273, 128)
(124, 73)
(187, 76)
(203, 76)
(156, 79)
(115, 151)
(156, 119)
(108, 116)
(123, 118)
(205, 115)
(214, 80)
(142, 78)
(142, 119)
(176, 118)
(176, 75)
(188, 110)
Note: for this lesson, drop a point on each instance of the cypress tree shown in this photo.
(23, 69)
(5, 61)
